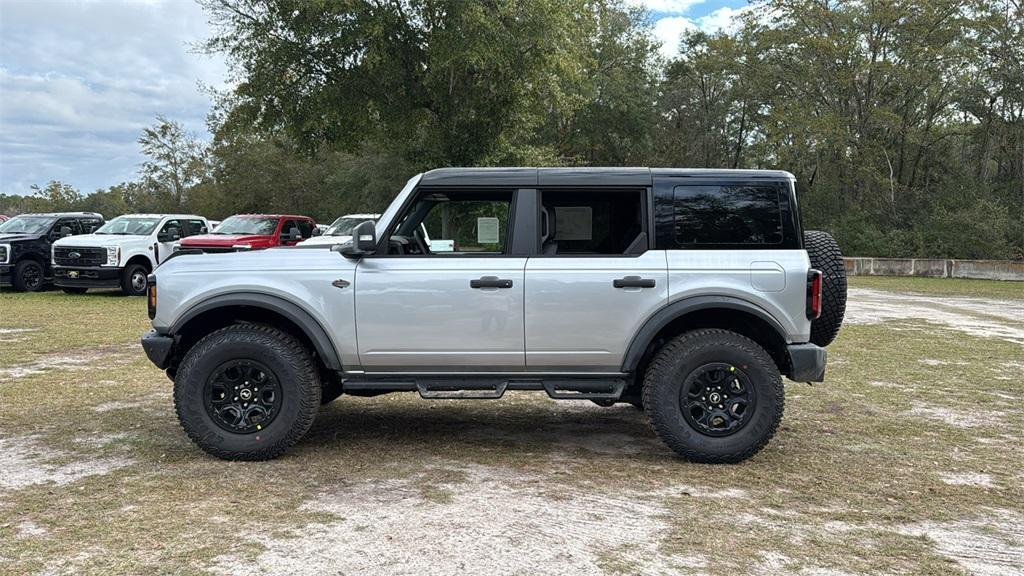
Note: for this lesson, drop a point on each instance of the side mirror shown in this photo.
(316, 231)
(292, 235)
(93, 228)
(65, 231)
(364, 241)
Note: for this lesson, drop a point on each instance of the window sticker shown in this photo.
(574, 223)
(487, 230)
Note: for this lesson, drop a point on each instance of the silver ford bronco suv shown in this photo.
(686, 293)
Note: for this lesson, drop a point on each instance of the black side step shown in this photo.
(450, 389)
(587, 389)
(476, 387)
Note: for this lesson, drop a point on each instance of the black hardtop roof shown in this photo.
(589, 176)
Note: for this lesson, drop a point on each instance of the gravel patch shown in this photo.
(991, 546)
(479, 527)
(81, 360)
(26, 461)
(975, 316)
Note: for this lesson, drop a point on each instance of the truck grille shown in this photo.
(76, 256)
(3, 254)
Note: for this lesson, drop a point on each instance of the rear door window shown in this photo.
(729, 215)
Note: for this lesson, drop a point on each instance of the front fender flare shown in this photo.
(293, 312)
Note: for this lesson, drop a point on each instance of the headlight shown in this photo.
(113, 255)
(5, 253)
(242, 246)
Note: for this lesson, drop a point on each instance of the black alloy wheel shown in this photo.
(716, 399)
(242, 396)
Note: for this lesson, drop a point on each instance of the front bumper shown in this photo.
(86, 277)
(808, 362)
(6, 275)
(159, 348)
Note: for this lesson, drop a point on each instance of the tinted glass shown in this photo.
(248, 225)
(27, 225)
(343, 226)
(70, 223)
(129, 225)
(743, 215)
(193, 227)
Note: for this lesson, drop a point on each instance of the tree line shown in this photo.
(903, 121)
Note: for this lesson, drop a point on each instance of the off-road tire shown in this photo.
(26, 267)
(127, 286)
(685, 354)
(825, 256)
(72, 290)
(285, 356)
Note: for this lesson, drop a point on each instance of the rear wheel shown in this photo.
(824, 253)
(133, 280)
(247, 392)
(713, 396)
(74, 290)
(28, 276)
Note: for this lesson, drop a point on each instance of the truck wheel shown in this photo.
(68, 290)
(28, 276)
(133, 280)
(825, 255)
(247, 392)
(713, 396)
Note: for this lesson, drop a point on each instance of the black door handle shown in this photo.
(633, 282)
(490, 282)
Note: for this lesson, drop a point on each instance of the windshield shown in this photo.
(248, 225)
(343, 226)
(27, 225)
(129, 226)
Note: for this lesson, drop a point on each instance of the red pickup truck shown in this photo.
(253, 232)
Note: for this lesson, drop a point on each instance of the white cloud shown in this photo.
(669, 29)
(79, 80)
(665, 6)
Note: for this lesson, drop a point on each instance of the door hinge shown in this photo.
(339, 283)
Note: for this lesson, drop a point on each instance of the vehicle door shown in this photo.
(286, 229)
(169, 232)
(461, 310)
(70, 224)
(595, 282)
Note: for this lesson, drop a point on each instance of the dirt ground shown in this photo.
(907, 460)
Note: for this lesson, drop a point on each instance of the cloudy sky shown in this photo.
(79, 79)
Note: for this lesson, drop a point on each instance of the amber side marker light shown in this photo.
(151, 295)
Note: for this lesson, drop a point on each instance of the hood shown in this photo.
(325, 240)
(226, 240)
(99, 240)
(259, 262)
(5, 238)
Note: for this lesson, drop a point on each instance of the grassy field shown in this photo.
(906, 460)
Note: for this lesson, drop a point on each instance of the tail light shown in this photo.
(151, 295)
(813, 294)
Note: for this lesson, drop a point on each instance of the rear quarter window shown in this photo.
(720, 216)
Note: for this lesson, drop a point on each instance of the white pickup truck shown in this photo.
(122, 252)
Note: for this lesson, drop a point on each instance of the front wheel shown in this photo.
(28, 276)
(133, 280)
(247, 392)
(713, 396)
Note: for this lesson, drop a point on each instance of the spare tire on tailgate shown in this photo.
(825, 256)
